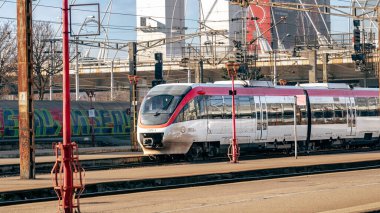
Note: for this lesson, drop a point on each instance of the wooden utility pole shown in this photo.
(133, 92)
(25, 92)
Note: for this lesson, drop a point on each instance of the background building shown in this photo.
(157, 19)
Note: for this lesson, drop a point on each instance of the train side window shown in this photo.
(253, 107)
(201, 107)
(244, 107)
(303, 114)
(180, 116)
(227, 100)
(215, 107)
(372, 106)
(274, 114)
(288, 114)
(190, 113)
(340, 113)
(361, 107)
(328, 113)
(317, 114)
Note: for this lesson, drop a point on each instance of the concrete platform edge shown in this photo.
(133, 186)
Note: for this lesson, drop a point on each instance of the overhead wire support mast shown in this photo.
(312, 8)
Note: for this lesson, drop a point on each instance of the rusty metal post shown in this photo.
(25, 92)
(67, 147)
(67, 174)
(234, 149)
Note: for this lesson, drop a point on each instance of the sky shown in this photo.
(123, 19)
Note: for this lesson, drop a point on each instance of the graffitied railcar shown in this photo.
(111, 122)
(196, 118)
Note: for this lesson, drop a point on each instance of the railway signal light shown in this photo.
(356, 23)
(357, 39)
(239, 57)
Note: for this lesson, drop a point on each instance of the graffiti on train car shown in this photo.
(49, 123)
(10, 117)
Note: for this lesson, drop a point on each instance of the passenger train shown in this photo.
(195, 119)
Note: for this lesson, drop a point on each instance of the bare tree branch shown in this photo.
(45, 63)
(8, 57)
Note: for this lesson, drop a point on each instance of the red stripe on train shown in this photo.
(260, 92)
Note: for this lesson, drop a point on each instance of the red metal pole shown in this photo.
(67, 195)
(234, 142)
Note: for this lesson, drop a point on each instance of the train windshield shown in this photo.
(161, 102)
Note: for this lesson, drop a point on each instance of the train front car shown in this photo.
(157, 131)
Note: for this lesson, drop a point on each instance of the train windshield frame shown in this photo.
(160, 103)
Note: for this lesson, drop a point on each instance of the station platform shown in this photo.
(343, 192)
(157, 174)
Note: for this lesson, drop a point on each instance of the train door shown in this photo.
(261, 118)
(351, 116)
(244, 118)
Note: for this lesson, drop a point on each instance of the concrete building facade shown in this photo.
(158, 19)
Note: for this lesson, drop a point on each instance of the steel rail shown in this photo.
(101, 164)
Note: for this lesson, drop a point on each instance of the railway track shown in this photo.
(133, 186)
(145, 161)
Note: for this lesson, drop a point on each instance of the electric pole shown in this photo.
(133, 92)
(25, 89)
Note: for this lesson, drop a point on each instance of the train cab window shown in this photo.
(215, 107)
(201, 107)
(274, 114)
(372, 106)
(288, 117)
(157, 109)
(227, 100)
(244, 107)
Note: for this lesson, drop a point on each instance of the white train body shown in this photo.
(175, 117)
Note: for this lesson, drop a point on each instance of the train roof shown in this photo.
(269, 84)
